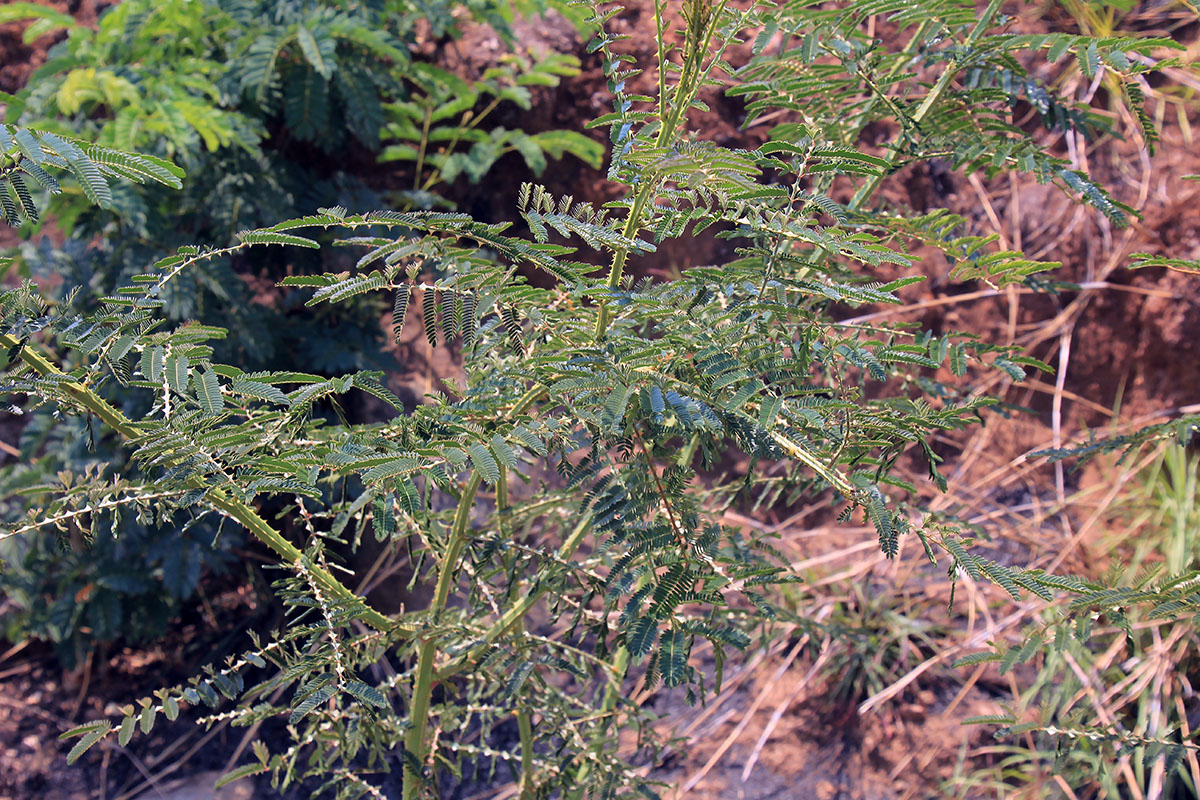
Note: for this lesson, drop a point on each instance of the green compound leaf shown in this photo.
(91, 733)
(208, 392)
(483, 460)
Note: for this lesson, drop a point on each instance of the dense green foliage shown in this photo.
(604, 425)
(274, 109)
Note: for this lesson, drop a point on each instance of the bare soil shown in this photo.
(1126, 340)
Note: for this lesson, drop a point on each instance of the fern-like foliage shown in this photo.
(31, 158)
(309, 63)
(583, 464)
(843, 81)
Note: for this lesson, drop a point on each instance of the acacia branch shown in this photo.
(234, 508)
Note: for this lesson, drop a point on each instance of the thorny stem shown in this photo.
(685, 91)
(75, 513)
(612, 695)
(525, 727)
(615, 271)
(236, 509)
(511, 618)
(418, 709)
(866, 191)
(869, 188)
(661, 44)
(524, 718)
(893, 72)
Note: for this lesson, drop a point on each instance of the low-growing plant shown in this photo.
(240, 86)
(604, 424)
(1127, 684)
(875, 639)
(1160, 514)
(439, 128)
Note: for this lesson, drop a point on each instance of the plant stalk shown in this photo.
(525, 727)
(421, 150)
(685, 91)
(935, 95)
(414, 740)
(632, 223)
(611, 695)
(524, 718)
(511, 618)
(418, 709)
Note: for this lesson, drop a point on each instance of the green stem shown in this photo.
(236, 509)
(691, 72)
(513, 616)
(525, 726)
(611, 695)
(528, 399)
(418, 713)
(632, 223)
(421, 149)
(524, 718)
(685, 91)
(893, 72)
(418, 709)
(935, 95)
(435, 175)
(662, 58)
(502, 497)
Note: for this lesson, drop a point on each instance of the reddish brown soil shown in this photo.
(1133, 340)
(1124, 340)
